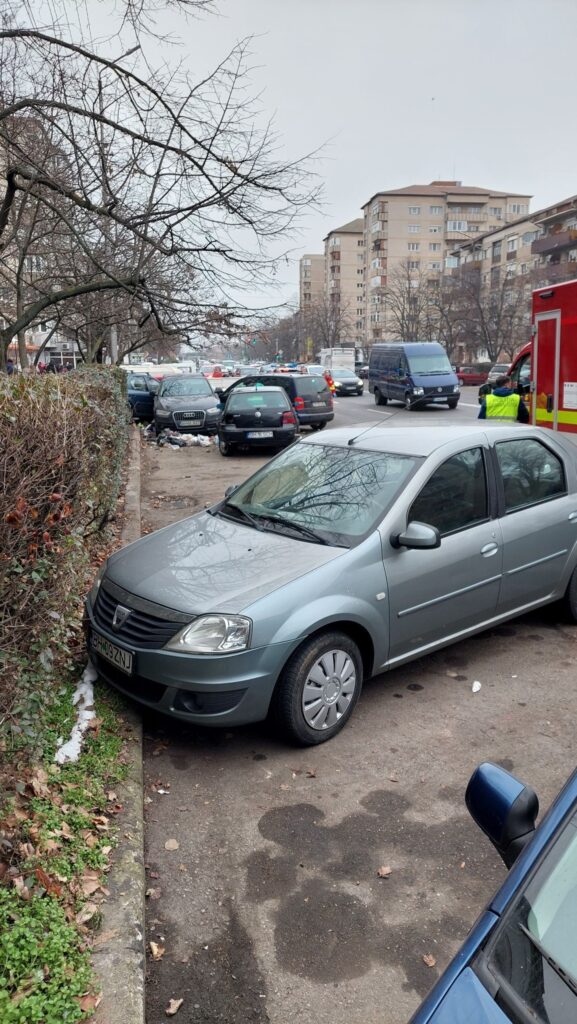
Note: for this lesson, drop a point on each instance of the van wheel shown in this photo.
(380, 399)
(318, 689)
(408, 402)
(453, 403)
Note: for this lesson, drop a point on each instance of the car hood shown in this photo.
(207, 563)
(187, 401)
(466, 1002)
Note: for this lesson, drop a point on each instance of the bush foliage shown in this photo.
(62, 444)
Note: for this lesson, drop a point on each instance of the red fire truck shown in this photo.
(545, 370)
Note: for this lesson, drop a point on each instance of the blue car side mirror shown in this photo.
(503, 808)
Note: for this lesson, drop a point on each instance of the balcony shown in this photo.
(552, 243)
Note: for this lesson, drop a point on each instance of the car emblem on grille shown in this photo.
(440, 390)
(120, 616)
(257, 415)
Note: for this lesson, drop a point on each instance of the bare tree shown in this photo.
(448, 322)
(165, 186)
(409, 312)
(495, 314)
(327, 323)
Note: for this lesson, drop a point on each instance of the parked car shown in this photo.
(187, 404)
(310, 396)
(519, 962)
(471, 375)
(362, 370)
(140, 395)
(416, 374)
(256, 417)
(496, 371)
(350, 553)
(346, 382)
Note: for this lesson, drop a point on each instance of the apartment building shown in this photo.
(555, 248)
(420, 226)
(311, 281)
(345, 279)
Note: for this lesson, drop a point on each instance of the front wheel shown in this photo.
(318, 689)
(408, 403)
(453, 403)
(570, 598)
(225, 448)
(380, 399)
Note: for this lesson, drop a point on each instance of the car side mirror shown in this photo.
(153, 386)
(503, 808)
(417, 535)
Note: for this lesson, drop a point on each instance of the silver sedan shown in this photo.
(348, 554)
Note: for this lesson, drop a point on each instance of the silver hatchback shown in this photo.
(348, 554)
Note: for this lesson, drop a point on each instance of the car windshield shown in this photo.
(180, 386)
(241, 401)
(340, 493)
(436, 362)
(534, 954)
(343, 374)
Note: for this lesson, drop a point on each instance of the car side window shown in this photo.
(137, 384)
(531, 473)
(455, 496)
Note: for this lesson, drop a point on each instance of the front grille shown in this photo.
(189, 418)
(140, 628)
(135, 686)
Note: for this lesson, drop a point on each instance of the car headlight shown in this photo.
(418, 391)
(213, 409)
(456, 389)
(213, 634)
(162, 412)
(359, 381)
(96, 585)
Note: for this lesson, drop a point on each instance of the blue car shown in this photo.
(140, 395)
(519, 962)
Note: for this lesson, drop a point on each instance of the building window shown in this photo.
(306, 263)
(496, 250)
(413, 246)
(436, 230)
(360, 242)
(334, 241)
(414, 264)
(518, 208)
(434, 246)
(512, 244)
(436, 211)
(306, 273)
(414, 229)
(474, 209)
(451, 262)
(435, 265)
(496, 212)
(457, 225)
(414, 211)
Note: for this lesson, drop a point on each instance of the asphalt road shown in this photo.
(271, 908)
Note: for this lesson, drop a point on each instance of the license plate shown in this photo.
(260, 433)
(115, 655)
(439, 399)
(319, 405)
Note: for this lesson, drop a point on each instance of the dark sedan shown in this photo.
(256, 417)
(346, 382)
(187, 404)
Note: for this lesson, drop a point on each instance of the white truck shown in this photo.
(341, 358)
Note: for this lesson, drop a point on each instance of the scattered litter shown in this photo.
(514, 677)
(384, 872)
(171, 844)
(429, 959)
(157, 950)
(173, 1007)
(83, 699)
(476, 686)
(173, 439)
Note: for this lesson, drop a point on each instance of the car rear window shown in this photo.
(311, 385)
(261, 400)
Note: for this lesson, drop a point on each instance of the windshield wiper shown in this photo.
(298, 527)
(563, 974)
(244, 515)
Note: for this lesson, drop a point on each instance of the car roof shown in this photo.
(266, 389)
(419, 441)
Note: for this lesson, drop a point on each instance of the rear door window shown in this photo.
(531, 473)
(312, 386)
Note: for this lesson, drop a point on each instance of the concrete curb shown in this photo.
(119, 960)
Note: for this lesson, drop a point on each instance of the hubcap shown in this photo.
(329, 689)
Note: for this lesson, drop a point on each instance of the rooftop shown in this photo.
(353, 227)
(411, 440)
(445, 188)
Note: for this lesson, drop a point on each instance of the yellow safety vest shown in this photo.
(502, 407)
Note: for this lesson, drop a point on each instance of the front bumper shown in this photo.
(209, 424)
(212, 690)
(280, 436)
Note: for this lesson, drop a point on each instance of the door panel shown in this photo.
(546, 370)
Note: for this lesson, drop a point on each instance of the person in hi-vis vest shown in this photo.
(503, 403)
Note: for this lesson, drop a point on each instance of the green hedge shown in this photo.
(62, 446)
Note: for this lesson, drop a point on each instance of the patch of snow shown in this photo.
(83, 700)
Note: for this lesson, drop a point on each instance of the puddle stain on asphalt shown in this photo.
(325, 933)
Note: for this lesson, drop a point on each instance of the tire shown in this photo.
(225, 448)
(380, 399)
(295, 706)
(408, 403)
(318, 426)
(453, 403)
(569, 602)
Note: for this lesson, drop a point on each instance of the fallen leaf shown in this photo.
(172, 844)
(384, 872)
(284, 786)
(111, 796)
(429, 959)
(173, 1007)
(462, 864)
(51, 887)
(156, 950)
(311, 773)
(87, 913)
(89, 1001)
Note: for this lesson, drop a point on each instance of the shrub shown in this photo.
(62, 444)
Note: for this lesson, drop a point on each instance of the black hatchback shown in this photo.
(256, 417)
(310, 395)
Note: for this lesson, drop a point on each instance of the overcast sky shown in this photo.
(405, 91)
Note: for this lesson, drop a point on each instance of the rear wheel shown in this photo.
(318, 426)
(318, 689)
(408, 402)
(453, 403)
(225, 448)
(380, 399)
(570, 598)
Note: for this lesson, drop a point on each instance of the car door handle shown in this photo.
(489, 549)
(572, 517)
